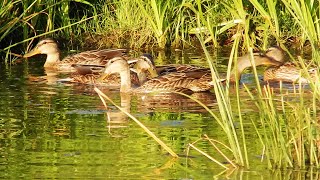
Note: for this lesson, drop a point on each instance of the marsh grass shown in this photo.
(289, 130)
(159, 23)
(121, 24)
(226, 117)
(20, 20)
(305, 14)
(157, 17)
(289, 134)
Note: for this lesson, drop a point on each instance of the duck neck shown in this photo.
(242, 64)
(258, 60)
(125, 85)
(142, 77)
(52, 59)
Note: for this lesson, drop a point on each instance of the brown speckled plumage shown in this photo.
(89, 74)
(289, 72)
(95, 57)
(198, 80)
(195, 81)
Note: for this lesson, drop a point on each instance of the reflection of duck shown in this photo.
(186, 77)
(171, 102)
(49, 47)
(117, 119)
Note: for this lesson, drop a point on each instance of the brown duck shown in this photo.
(49, 47)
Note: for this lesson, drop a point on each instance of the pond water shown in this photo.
(60, 130)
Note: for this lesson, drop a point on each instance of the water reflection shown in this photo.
(59, 130)
(170, 102)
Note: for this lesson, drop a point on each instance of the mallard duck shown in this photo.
(184, 77)
(194, 81)
(286, 72)
(89, 74)
(50, 47)
(274, 56)
(289, 72)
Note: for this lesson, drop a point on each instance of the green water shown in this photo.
(61, 131)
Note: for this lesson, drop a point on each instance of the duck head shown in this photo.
(274, 56)
(45, 46)
(145, 63)
(49, 47)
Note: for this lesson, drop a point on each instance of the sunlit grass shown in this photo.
(159, 23)
(289, 128)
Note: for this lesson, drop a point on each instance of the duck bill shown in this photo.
(153, 72)
(102, 77)
(33, 52)
(130, 61)
(267, 61)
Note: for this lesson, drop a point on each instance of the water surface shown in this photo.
(59, 130)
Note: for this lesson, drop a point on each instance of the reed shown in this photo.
(270, 19)
(162, 23)
(306, 15)
(161, 143)
(226, 117)
(121, 24)
(289, 134)
(157, 14)
(289, 129)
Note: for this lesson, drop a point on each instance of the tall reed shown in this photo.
(157, 13)
(34, 17)
(306, 15)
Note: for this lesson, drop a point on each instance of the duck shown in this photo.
(91, 74)
(273, 57)
(49, 47)
(182, 78)
(195, 81)
(143, 69)
(290, 73)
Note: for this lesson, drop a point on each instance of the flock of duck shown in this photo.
(114, 67)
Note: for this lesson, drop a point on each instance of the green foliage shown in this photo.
(162, 23)
(35, 17)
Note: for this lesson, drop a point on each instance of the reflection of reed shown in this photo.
(118, 118)
(170, 102)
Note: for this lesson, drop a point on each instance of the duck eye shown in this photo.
(111, 61)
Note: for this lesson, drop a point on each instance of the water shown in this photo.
(59, 130)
